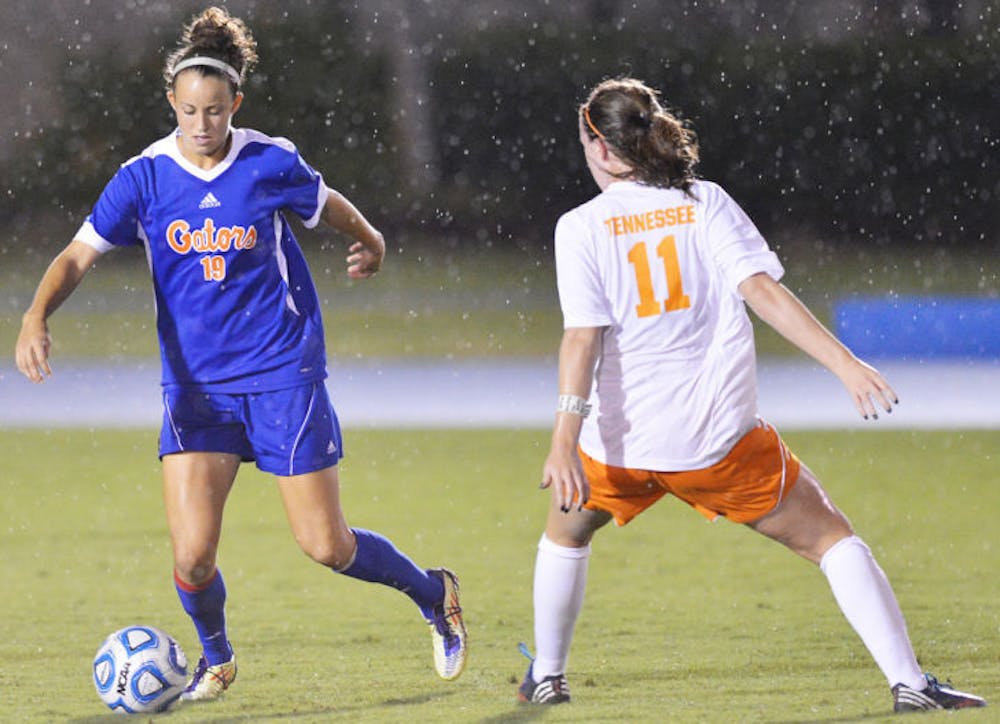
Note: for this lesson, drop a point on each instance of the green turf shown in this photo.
(685, 621)
(430, 302)
(427, 304)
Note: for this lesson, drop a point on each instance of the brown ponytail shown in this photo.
(659, 147)
(215, 34)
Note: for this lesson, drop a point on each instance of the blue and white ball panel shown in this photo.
(139, 669)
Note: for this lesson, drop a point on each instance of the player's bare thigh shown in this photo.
(575, 528)
(806, 521)
(312, 504)
(195, 488)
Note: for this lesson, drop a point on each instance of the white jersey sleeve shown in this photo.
(581, 294)
(737, 246)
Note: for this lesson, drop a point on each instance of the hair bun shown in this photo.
(216, 34)
(654, 143)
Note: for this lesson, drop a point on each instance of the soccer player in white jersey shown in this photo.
(657, 388)
(241, 338)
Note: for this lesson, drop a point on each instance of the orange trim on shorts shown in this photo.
(745, 485)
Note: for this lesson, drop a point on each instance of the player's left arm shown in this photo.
(776, 305)
(368, 248)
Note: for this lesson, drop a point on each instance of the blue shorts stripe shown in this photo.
(170, 420)
(302, 429)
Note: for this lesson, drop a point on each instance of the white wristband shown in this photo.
(573, 404)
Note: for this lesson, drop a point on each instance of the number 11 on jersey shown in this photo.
(676, 298)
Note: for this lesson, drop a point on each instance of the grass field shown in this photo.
(474, 302)
(685, 621)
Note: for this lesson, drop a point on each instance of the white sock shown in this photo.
(560, 580)
(864, 595)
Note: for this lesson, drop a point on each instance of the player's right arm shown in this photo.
(578, 353)
(60, 279)
(585, 317)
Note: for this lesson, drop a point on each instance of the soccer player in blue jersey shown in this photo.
(241, 338)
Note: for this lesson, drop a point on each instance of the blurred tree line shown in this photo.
(883, 141)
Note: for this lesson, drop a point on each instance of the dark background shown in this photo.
(455, 123)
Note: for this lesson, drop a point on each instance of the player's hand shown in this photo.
(364, 261)
(868, 388)
(31, 352)
(563, 473)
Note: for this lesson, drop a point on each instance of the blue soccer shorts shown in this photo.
(287, 432)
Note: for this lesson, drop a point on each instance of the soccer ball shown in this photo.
(139, 669)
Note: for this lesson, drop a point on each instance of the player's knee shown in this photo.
(575, 529)
(813, 547)
(328, 551)
(570, 539)
(194, 569)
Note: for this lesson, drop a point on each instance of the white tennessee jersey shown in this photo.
(675, 386)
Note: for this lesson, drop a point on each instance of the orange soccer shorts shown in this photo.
(745, 485)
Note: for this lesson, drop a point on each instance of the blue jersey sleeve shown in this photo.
(115, 216)
(304, 192)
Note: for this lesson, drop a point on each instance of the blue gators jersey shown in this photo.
(236, 309)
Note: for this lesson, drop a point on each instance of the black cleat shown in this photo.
(935, 696)
(550, 690)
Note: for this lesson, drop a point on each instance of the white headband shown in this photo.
(210, 62)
